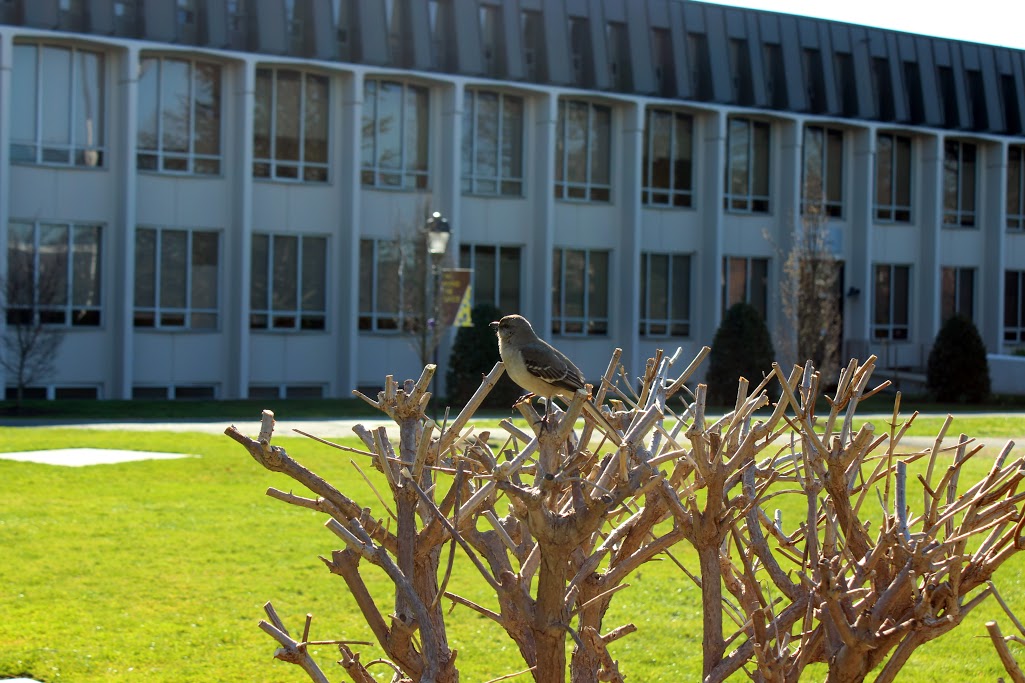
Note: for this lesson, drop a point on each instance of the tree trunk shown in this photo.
(712, 646)
(550, 632)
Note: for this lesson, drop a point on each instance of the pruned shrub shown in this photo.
(958, 370)
(741, 348)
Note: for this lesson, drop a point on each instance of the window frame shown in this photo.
(468, 258)
(305, 171)
(671, 326)
(728, 298)
(890, 329)
(194, 162)
(960, 217)
(372, 175)
(158, 311)
(72, 315)
(960, 277)
(748, 201)
(77, 155)
(370, 321)
(894, 212)
(507, 183)
(1016, 213)
(675, 197)
(303, 319)
(827, 204)
(1014, 333)
(588, 190)
(590, 323)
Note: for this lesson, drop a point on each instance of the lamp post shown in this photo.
(438, 233)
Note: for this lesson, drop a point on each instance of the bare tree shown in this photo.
(415, 283)
(32, 292)
(811, 294)
(556, 521)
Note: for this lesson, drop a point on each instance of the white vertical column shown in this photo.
(858, 267)
(239, 237)
(925, 284)
(990, 283)
(787, 197)
(624, 303)
(6, 69)
(121, 236)
(344, 279)
(537, 290)
(709, 190)
(447, 183)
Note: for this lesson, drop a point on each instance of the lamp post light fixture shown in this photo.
(438, 233)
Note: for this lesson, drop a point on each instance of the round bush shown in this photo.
(474, 354)
(741, 348)
(958, 370)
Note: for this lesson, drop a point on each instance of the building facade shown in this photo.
(215, 197)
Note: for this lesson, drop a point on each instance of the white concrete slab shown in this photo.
(80, 457)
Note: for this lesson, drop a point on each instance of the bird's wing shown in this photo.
(551, 365)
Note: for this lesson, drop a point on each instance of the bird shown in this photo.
(540, 368)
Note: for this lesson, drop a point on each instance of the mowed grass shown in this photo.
(157, 571)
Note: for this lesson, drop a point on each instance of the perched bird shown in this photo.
(539, 367)
(533, 363)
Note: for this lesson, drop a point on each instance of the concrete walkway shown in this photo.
(336, 428)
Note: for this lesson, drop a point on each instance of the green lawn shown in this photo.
(157, 571)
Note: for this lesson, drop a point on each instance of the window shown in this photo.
(1014, 306)
(1016, 187)
(618, 42)
(580, 294)
(203, 392)
(532, 28)
(846, 86)
(958, 184)
(54, 272)
(582, 151)
(747, 166)
(775, 76)
(179, 116)
(492, 143)
(395, 131)
(913, 82)
(957, 292)
(700, 65)
(176, 278)
(668, 165)
(893, 178)
(286, 391)
(883, 88)
(496, 275)
(290, 123)
(746, 280)
(391, 286)
(289, 281)
(581, 59)
(823, 172)
(740, 68)
(892, 302)
(663, 60)
(491, 40)
(57, 115)
(665, 295)
(814, 79)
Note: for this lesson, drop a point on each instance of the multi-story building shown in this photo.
(218, 188)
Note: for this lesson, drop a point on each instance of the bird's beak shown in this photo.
(494, 326)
